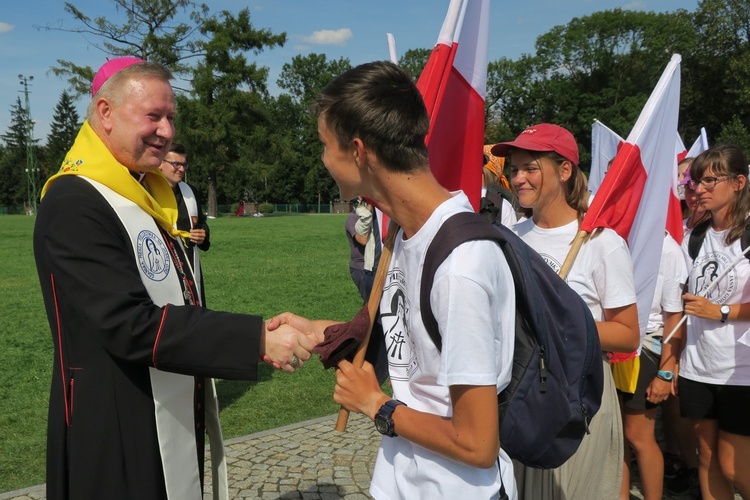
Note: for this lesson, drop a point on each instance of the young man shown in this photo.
(441, 427)
(190, 217)
(128, 397)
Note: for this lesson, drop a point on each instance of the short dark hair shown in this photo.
(378, 103)
(178, 148)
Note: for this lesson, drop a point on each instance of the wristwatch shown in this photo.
(665, 375)
(724, 309)
(384, 420)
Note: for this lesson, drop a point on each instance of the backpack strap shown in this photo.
(491, 206)
(458, 229)
(699, 234)
(745, 238)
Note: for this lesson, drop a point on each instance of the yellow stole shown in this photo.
(89, 157)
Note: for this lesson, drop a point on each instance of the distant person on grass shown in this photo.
(364, 246)
(440, 429)
(131, 349)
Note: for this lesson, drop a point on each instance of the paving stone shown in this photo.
(308, 461)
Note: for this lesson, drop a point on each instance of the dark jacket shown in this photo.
(102, 440)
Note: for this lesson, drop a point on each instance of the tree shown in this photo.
(148, 32)
(718, 80)
(305, 176)
(63, 131)
(13, 184)
(600, 66)
(224, 105)
(414, 61)
(223, 120)
(735, 132)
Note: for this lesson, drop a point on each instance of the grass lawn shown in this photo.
(255, 265)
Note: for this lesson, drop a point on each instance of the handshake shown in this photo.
(288, 340)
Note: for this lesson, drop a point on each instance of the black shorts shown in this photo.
(646, 374)
(729, 405)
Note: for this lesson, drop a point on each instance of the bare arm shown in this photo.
(619, 332)
(470, 436)
(659, 390)
(704, 308)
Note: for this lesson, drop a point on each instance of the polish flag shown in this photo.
(604, 144)
(633, 196)
(700, 145)
(680, 150)
(453, 85)
(674, 207)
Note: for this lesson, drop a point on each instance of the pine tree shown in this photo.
(13, 163)
(63, 131)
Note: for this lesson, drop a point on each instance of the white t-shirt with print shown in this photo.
(474, 304)
(602, 273)
(712, 353)
(669, 284)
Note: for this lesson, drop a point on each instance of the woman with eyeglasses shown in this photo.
(714, 378)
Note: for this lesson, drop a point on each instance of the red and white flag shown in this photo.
(633, 196)
(679, 149)
(604, 144)
(453, 85)
(674, 207)
(700, 145)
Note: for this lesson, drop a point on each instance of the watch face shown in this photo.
(381, 425)
(666, 375)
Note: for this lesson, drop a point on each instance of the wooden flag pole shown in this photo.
(572, 254)
(372, 307)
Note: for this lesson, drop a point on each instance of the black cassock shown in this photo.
(102, 440)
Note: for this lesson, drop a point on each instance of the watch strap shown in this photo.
(385, 414)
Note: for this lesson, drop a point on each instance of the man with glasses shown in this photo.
(190, 217)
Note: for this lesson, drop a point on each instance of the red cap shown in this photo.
(542, 137)
(109, 68)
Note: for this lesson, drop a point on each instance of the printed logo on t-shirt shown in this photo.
(394, 309)
(153, 256)
(551, 262)
(704, 273)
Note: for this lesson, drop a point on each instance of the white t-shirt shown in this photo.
(602, 273)
(474, 304)
(669, 284)
(712, 353)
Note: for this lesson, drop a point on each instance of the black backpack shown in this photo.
(699, 234)
(557, 377)
(491, 204)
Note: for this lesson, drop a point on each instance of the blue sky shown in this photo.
(338, 28)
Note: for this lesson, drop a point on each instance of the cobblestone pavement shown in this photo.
(308, 460)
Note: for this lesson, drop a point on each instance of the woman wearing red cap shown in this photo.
(546, 179)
